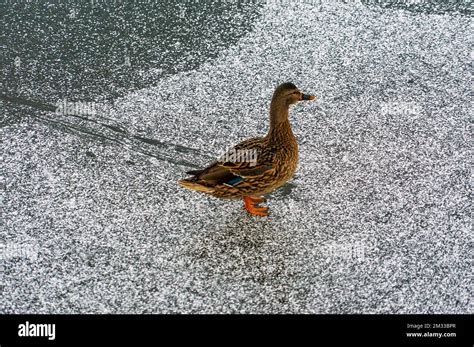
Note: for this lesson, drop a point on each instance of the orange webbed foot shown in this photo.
(257, 200)
(250, 204)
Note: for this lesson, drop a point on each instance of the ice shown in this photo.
(376, 220)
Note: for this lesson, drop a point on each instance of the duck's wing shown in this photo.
(247, 159)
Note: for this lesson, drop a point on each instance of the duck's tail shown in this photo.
(191, 183)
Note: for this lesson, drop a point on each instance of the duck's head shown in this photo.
(288, 94)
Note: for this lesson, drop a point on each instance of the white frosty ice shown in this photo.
(396, 182)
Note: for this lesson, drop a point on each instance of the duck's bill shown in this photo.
(307, 97)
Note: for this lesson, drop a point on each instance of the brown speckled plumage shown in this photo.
(276, 157)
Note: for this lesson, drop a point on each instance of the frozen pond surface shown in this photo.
(376, 220)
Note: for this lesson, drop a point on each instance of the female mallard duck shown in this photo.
(256, 166)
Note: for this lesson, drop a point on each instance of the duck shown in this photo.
(256, 166)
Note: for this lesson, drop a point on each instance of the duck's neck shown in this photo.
(280, 127)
